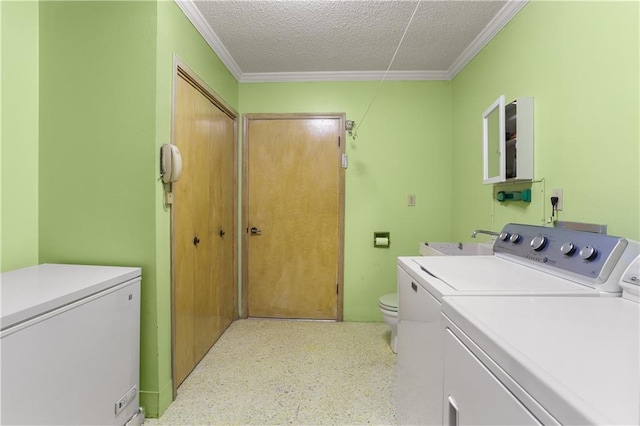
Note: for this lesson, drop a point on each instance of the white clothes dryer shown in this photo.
(543, 360)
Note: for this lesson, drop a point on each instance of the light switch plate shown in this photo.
(411, 200)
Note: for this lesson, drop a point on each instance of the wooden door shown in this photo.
(204, 261)
(203, 248)
(183, 232)
(294, 203)
(223, 224)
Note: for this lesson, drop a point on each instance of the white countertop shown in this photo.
(28, 292)
(579, 357)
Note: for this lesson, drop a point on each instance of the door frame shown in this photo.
(246, 119)
(182, 70)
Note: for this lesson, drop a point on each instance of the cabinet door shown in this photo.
(493, 140)
(473, 395)
(507, 140)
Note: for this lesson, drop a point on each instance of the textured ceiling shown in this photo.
(293, 36)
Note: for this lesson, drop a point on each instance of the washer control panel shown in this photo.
(586, 254)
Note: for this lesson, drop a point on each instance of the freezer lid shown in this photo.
(29, 292)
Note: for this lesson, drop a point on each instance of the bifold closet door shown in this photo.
(205, 261)
(183, 232)
(203, 216)
(223, 197)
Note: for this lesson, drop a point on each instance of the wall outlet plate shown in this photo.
(558, 193)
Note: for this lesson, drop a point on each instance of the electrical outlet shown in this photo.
(558, 193)
(411, 200)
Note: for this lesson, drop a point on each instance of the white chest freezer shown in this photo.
(70, 345)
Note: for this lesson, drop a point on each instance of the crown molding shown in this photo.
(508, 11)
(193, 14)
(281, 77)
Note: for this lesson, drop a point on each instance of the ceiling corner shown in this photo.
(193, 14)
(508, 11)
(191, 11)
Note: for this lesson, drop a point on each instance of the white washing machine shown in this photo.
(528, 260)
(543, 360)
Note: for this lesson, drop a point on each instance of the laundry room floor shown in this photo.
(277, 372)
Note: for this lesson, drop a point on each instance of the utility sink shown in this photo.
(456, 249)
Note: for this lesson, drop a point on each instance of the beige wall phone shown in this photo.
(170, 163)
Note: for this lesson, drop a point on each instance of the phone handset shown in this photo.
(170, 163)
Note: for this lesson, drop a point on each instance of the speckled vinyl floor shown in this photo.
(272, 372)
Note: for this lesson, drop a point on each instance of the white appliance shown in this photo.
(69, 345)
(543, 360)
(527, 260)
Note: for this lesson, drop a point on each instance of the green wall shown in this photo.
(19, 163)
(106, 77)
(97, 145)
(579, 60)
(403, 147)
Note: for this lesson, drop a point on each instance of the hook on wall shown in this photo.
(349, 126)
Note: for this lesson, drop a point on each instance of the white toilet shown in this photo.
(388, 305)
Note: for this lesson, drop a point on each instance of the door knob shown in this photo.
(222, 233)
(255, 231)
(196, 241)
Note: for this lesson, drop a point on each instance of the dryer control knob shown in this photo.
(568, 249)
(588, 253)
(504, 236)
(515, 238)
(539, 242)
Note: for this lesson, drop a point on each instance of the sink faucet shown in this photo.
(482, 231)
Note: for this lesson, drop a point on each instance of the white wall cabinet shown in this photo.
(508, 141)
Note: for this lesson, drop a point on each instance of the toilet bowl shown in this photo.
(388, 305)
